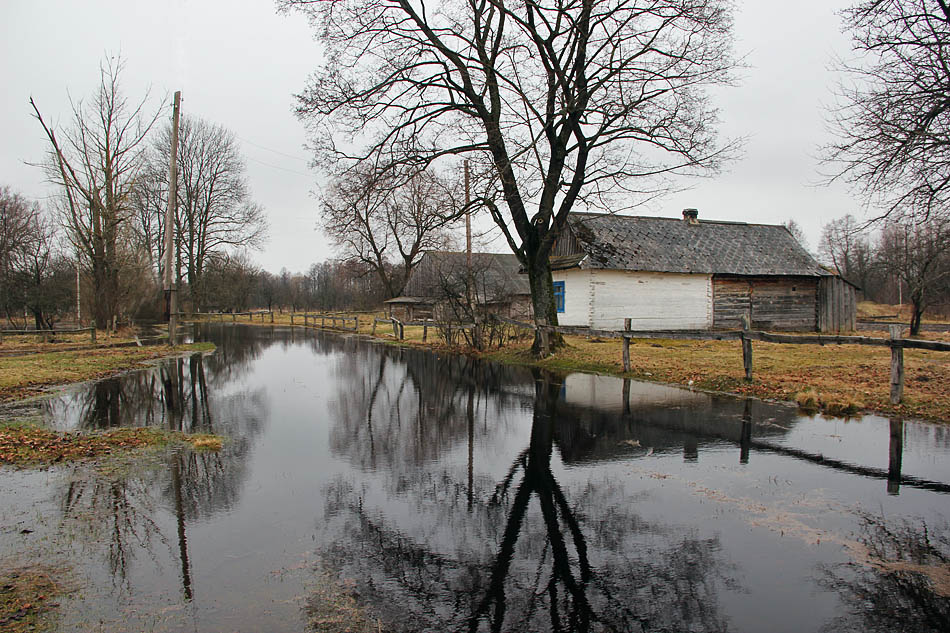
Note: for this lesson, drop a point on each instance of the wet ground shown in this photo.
(445, 494)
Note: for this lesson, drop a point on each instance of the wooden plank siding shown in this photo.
(837, 305)
(773, 303)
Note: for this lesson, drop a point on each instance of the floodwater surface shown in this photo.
(437, 493)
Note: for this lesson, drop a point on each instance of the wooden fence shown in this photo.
(399, 327)
(46, 335)
(310, 319)
(747, 335)
(223, 316)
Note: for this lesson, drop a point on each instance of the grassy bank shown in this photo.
(28, 599)
(24, 444)
(28, 375)
(839, 378)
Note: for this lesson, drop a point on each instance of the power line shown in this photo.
(272, 150)
(290, 171)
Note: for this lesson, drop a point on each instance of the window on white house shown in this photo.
(559, 295)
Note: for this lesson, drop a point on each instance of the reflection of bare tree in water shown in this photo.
(114, 513)
(525, 558)
(399, 408)
(121, 513)
(903, 583)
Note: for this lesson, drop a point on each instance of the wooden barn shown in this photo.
(437, 287)
(671, 273)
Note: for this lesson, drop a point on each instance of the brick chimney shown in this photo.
(691, 216)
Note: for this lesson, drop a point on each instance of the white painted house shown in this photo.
(688, 274)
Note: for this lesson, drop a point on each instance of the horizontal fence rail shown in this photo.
(47, 334)
(747, 335)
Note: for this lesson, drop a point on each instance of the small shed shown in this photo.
(671, 273)
(437, 286)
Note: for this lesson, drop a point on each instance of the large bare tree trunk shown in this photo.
(545, 310)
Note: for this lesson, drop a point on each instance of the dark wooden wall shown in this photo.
(774, 303)
(837, 305)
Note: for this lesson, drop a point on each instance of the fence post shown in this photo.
(271, 316)
(305, 319)
(356, 323)
(291, 318)
(92, 334)
(402, 330)
(425, 332)
(897, 364)
(626, 345)
(373, 331)
(233, 317)
(746, 349)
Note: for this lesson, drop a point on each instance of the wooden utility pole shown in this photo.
(470, 277)
(469, 280)
(171, 285)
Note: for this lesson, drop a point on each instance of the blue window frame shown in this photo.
(559, 295)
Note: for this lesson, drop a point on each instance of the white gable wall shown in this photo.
(577, 296)
(653, 301)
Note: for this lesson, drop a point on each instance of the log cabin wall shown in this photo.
(774, 303)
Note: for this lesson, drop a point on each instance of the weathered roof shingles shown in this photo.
(673, 245)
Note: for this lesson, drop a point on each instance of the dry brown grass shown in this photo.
(29, 343)
(872, 310)
(204, 442)
(28, 445)
(843, 378)
(27, 599)
(333, 608)
(29, 375)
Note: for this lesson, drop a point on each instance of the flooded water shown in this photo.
(445, 494)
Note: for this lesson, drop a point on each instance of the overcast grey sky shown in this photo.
(238, 63)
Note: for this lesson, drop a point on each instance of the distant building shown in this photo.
(671, 273)
(437, 287)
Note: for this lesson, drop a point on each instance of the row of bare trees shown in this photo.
(892, 126)
(110, 167)
(903, 260)
(36, 276)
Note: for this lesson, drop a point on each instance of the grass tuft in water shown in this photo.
(27, 599)
(28, 445)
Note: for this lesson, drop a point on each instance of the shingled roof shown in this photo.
(673, 245)
(441, 273)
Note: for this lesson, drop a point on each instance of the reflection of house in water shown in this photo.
(601, 417)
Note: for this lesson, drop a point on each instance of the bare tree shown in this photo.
(797, 232)
(44, 278)
(232, 280)
(919, 255)
(386, 222)
(17, 220)
(35, 278)
(554, 104)
(893, 116)
(215, 209)
(846, 247)
(96, 162)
